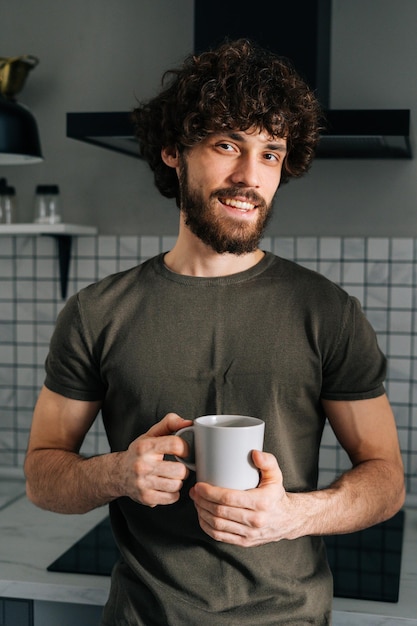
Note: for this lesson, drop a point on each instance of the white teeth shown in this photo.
(237, 204)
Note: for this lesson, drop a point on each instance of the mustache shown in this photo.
(249, 195)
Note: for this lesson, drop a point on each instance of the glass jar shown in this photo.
(7, 203)
(47, 204)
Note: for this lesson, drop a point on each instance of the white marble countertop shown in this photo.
(31, 539)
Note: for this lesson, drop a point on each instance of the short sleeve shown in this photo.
(71, 369)
(356, 368)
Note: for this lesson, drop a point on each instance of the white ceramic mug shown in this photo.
(221, 449)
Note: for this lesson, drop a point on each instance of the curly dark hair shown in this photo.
(235, 87)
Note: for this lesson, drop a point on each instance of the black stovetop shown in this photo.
(366, 565)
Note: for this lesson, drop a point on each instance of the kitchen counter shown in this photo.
(31, 539)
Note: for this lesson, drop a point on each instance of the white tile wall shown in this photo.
(381, 272)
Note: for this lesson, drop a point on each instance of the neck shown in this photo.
(191, 257)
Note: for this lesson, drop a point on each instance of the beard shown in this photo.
(220, 232)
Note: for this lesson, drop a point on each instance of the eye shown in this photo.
(272, 156)
(228, 147)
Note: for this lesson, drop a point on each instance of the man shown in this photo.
(216, 325)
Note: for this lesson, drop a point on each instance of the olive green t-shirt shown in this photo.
(269, 342)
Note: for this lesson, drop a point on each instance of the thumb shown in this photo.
(268, 466)
(168, 426)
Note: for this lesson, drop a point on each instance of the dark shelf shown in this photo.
(62, 233)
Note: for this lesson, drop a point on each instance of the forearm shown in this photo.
(369, 493)
(65, 482)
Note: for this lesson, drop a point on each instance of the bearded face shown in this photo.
(222, 232)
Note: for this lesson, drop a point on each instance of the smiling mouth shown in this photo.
(240, 205)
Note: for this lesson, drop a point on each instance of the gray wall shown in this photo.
(100, 55)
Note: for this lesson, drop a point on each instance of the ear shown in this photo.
(169, 156)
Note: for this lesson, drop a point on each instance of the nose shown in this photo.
(246, 171)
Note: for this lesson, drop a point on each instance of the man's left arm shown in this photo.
(368, 493)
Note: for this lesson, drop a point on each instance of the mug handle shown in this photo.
(187, 434)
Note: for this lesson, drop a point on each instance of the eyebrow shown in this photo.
(275, 146)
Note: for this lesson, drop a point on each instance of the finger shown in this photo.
(243, 507)
(168, 426)
(268, 466)
(219, 528)
(226, 504)
(226, 530)
(220, 497)
(217, 516)
(163, 484)
(172, 469)
(153, 498)
(151, 450)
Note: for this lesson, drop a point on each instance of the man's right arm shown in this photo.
(59, 479)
